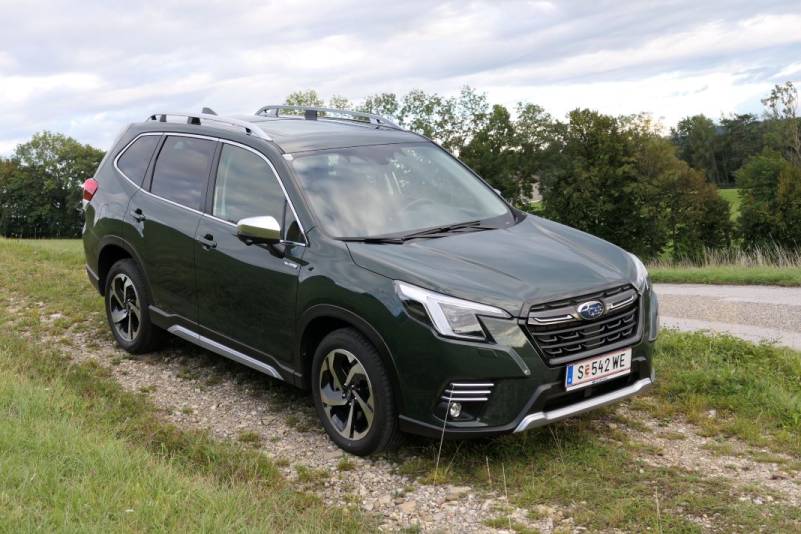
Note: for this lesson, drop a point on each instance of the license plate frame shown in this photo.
(607, 366)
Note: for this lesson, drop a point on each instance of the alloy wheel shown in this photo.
(126, 314)
(346, 394)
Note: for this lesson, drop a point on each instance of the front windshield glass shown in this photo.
(392, 189)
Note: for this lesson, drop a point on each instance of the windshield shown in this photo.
(392, 189)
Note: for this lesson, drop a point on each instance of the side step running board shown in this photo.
(222, 350)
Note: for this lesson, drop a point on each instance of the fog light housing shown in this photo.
(455, 410)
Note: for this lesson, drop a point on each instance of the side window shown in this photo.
(290, 226)
(134, 161)
(245, 187)
(182, 170)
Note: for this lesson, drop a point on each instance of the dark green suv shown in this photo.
(340, 253)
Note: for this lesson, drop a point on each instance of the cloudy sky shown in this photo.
(86, 68)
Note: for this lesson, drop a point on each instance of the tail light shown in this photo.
(89, 189)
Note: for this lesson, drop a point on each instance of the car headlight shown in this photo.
(450, 316)
(642, 274)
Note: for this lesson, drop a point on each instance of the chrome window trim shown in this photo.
(220, 140)
(277, 179)
(124, 150)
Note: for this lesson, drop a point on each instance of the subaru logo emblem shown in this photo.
(591, 310)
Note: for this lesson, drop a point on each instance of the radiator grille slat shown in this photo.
(559, 333)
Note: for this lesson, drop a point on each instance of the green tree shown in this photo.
(491, 153)
(618, 179)
(591, 183)
(698, 144)
(770, 194)
(304, 98)
(339, 102)
(384, 104)
(307, 98)
(430, 115)
(692, 214)
(40, 188)
(741, 139)
(782, 122)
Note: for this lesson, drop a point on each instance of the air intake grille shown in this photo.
(562, 335)
(468, 391)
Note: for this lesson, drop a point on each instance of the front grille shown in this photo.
(561, 334)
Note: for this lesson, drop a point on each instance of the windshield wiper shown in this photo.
(376, 239)
(428, 232)
(447, 229)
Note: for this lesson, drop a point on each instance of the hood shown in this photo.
(535, 260)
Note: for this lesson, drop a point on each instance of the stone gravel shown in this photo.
(196, 389)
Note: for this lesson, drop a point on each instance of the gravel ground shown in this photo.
(754, 313)
(197, 389)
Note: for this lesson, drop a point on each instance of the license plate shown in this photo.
(598, 369)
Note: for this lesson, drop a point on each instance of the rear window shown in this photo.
(182, 170)
(134, 161)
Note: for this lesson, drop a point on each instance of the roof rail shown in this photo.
(196, 118)
(313, 113)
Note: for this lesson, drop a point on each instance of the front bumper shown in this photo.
(538, 419)
(527, 392)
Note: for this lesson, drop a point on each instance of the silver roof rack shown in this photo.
(199, 118)
(313, 113)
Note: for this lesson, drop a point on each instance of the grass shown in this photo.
(732, 196)
(727, 275)
(765, 265)
(78, 453)
(584, 467)
(754, 390)
(598, 475)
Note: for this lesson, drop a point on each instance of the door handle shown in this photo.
(138, 215)
(208, 242)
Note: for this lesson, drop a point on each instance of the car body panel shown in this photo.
(533, 261)
(247, 289)
(264, 301)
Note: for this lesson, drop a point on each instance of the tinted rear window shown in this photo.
(182, 170)
(134, 161)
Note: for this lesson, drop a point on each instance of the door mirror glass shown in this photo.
(259, 229)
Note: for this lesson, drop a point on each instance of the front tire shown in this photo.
(127, 302)
(353, 394)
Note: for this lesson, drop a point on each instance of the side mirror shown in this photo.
(259, 229)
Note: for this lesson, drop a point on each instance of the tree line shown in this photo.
(618, 177)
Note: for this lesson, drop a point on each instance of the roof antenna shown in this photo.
(208, 111)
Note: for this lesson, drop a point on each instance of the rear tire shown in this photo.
(353, 394)
(127, 302)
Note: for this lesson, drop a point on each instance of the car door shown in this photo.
(166, 213)
(246, 293)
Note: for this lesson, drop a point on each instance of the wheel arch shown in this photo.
(322, 319)
(113, 249)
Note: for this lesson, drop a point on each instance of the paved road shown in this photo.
(754, 313)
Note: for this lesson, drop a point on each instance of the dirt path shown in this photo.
(197, 389)
(753, 313)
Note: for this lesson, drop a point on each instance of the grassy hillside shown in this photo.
(80, 454)
(732, 196)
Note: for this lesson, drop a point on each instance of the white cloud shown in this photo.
(89, 71)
